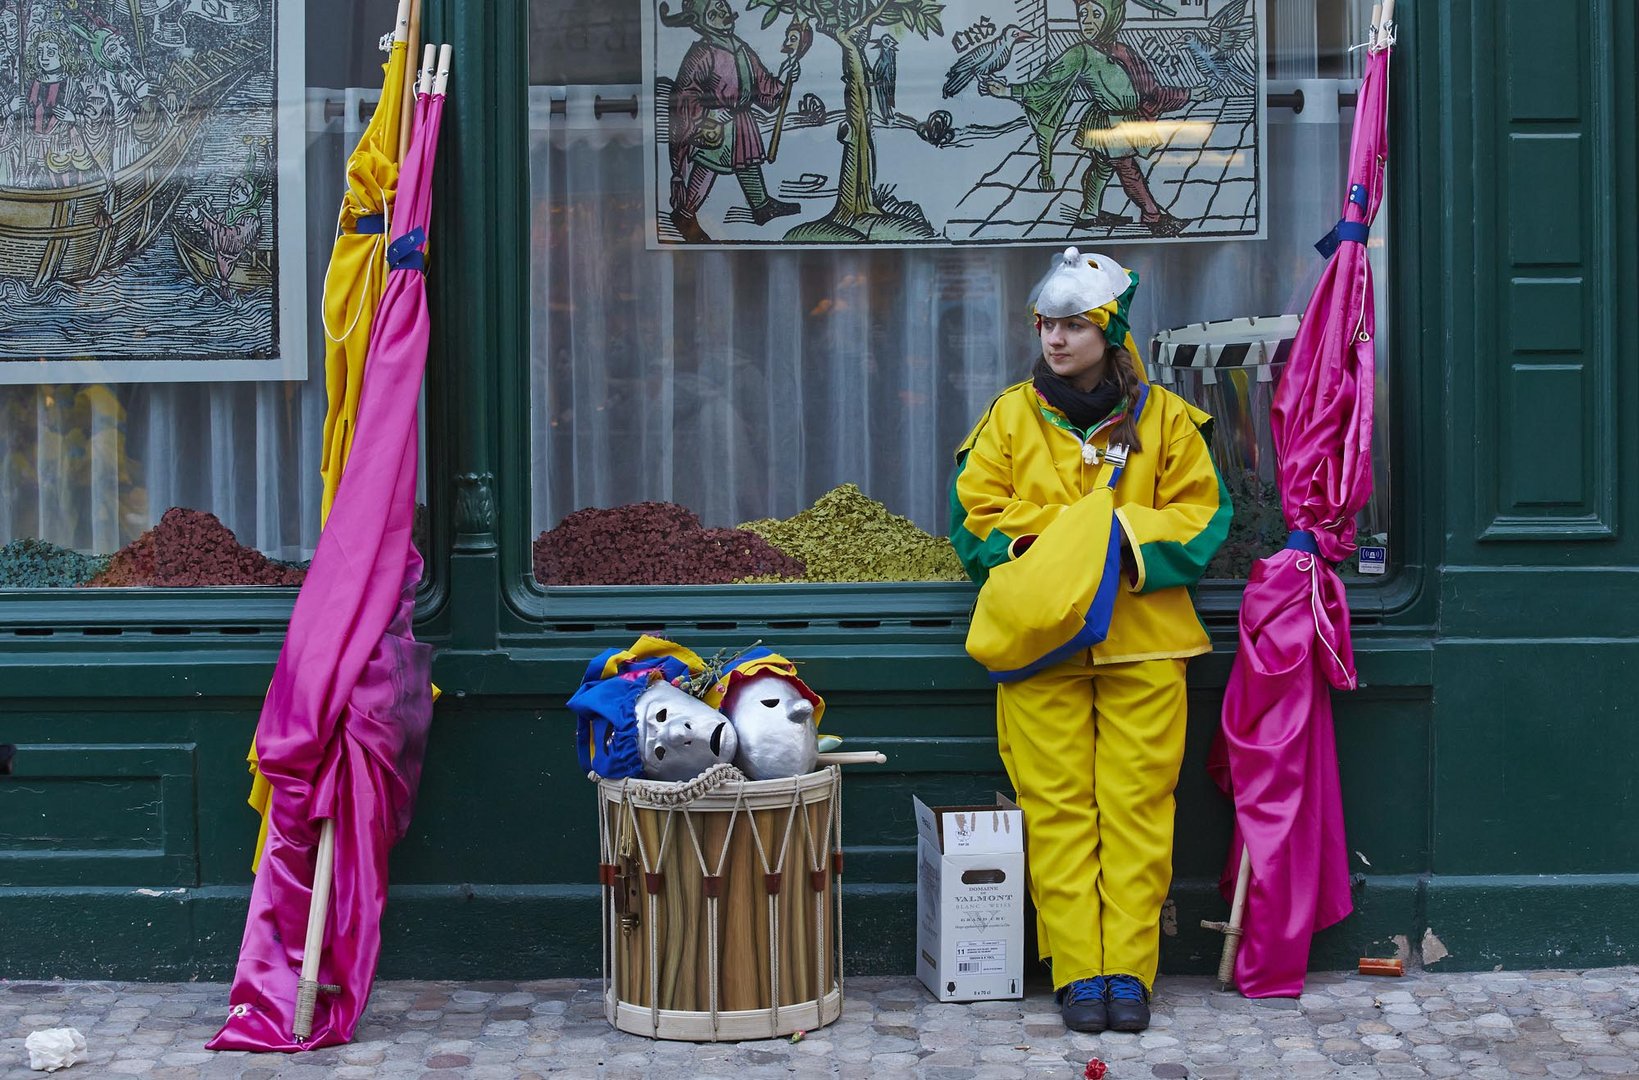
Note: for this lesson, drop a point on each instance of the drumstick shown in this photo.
(853, 757)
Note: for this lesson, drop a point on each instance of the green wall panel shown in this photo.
(1534, 754)
(496, 877)
(1542, 85)
(1546, 174)
(1535, 921)
(1535, 479)
(1546, 315)
(1550, 159)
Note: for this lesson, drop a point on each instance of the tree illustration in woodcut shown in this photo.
(862, 211)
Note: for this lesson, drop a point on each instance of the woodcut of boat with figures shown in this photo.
(75, 233)
(253, 269)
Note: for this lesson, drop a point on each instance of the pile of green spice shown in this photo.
(652, 543)
(37, 564)
(849, 536)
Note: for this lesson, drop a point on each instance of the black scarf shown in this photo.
(1084, 408)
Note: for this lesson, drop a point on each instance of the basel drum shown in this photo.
(721, 905)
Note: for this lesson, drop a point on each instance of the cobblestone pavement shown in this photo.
(1491, 1025)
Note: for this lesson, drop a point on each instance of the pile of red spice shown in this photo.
(652, 543)
(190, 548)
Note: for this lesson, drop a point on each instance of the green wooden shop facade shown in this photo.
(1488, 759)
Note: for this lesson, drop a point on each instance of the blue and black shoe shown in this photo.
(1082, 1005)
(1129, 1004)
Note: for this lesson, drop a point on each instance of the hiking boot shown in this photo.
(772, 209)
(1082, 1005)
(1129, 1004)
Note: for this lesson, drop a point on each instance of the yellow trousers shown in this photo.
(1094, 753)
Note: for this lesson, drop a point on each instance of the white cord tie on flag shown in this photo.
(1307, 564)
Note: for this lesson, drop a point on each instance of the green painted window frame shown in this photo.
(480, 591)
(902, 606)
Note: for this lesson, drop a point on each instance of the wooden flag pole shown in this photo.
(441, 81)
(307, 989)
(1231, 930)
(401, 24)
(406, 124)
(424, 84)
(1383, 24)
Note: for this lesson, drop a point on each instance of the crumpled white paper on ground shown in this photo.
(54, 1048)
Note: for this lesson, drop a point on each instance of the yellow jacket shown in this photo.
(1022, 466)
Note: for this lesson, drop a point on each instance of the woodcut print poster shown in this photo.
(906, 122)
(151, 190)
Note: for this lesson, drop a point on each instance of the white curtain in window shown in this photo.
(744, 384)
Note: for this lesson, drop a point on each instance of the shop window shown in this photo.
(169, 186)
(739, 394)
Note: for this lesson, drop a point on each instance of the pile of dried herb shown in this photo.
(848, 536)
(652, 543)
(191, 548)
(37, 564)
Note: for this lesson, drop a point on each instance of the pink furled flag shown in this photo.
(344, 726)
(1276, 754)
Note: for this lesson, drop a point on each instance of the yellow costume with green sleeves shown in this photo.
(1022, 467)
(1093, 743)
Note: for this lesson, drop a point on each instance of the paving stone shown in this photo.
(1481, 1025)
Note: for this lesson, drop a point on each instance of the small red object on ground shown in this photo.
(1096, 1070)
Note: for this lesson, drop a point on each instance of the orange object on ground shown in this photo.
(1370, 965)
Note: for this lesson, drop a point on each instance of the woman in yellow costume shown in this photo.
(1092, 732)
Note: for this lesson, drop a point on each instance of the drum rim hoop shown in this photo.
(814, 787)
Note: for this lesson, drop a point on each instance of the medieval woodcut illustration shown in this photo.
(904, 122)
(151, 207)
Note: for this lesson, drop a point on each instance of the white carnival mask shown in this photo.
(775, 724)
(1079, 282)
(679, 736)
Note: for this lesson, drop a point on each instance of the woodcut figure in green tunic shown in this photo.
(1117, 126)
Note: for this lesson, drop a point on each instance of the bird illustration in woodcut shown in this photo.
(983, 61)
(1216, 52)
(884, 74)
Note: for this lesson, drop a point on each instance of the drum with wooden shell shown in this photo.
(721, 905)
